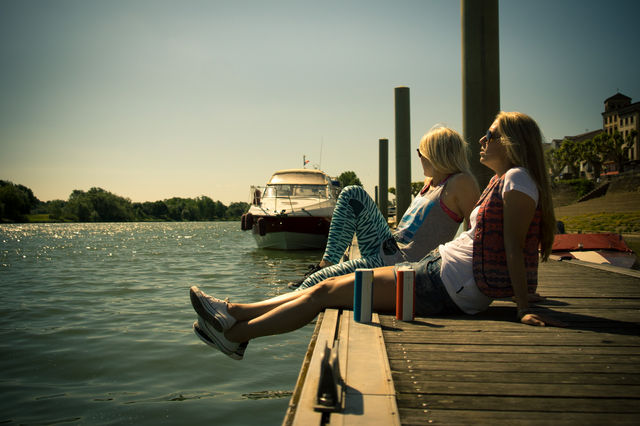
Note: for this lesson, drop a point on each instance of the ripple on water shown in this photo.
(96, 324)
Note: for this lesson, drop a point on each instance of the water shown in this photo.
(95, 325)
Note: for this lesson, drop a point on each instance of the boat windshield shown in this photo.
(293, 191)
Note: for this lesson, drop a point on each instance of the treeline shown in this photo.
(18, 204)
(595, 152)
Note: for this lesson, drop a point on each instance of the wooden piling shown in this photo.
(480, 76)
(383, 178)
(403, 150)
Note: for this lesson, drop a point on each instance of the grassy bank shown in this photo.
(617, 211)
(618, 222)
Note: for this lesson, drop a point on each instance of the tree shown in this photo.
(53, 208)
(182, 209)
(349, 178)
(156, 209)
(416, 187)
(206, 207)
(221, 210)
(78, 208)
(236, 210)
(98, 205)
(615, 148)
(568, 154)
(14, 202)
(33, 201)
(593, 151)
(555, 168)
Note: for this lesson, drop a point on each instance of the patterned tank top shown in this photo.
(426, 224)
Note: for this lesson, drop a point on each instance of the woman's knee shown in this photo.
(321, 292)
(352, 191)
(318, 294)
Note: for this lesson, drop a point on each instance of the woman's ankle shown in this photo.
(234, 310)
(324, 263)
(232, 336)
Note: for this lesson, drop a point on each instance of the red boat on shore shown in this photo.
(605, 248)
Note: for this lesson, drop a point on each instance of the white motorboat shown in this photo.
(293, 211)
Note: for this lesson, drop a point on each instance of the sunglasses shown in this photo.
(419, 153)
(490, 135)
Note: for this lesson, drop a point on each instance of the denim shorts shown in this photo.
(432, 297)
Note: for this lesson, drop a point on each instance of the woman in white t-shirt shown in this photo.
(496, 258)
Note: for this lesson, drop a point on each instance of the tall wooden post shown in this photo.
(403, 150)
(480, 76)
(383, 178)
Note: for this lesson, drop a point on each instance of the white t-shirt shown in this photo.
(457, 255)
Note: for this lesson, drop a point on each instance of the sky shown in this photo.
(153, 99)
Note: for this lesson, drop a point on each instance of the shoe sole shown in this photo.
(208, 316)
(213, 342)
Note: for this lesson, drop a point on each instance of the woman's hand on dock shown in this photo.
(540, 321)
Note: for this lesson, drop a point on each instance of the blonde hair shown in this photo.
(446, 150)
(522, 139)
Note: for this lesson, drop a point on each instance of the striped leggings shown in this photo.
(355, 214)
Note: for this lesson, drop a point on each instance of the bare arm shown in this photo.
(461, 196)
(519, 209)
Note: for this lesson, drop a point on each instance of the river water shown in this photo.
(95, 325)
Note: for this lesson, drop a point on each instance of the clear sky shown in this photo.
(151, 99)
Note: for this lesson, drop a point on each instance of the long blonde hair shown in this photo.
(446, 150)
(522, 139)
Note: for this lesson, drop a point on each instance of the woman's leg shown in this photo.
(355, 214)
(282, 314)
(339, 269)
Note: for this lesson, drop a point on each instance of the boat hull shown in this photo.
(602, 248)
(291, 232)
(293, 211)
(601, 257)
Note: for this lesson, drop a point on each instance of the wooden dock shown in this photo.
(490, 369)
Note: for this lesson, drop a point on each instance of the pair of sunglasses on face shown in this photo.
(489, 136)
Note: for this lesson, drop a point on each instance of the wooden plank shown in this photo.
(605, 267)
(370, 397)
(416, 377)
(621, 321)
(417, 366)
(399, 350)
(520, 389)
(518, 403)
(477, 325)
(631, 362)
(508, 339)
(448, 417)
(295, 397)
(304, 412)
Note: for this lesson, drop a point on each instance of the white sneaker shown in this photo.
(212, 310)
(216, 339)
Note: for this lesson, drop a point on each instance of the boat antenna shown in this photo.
(321, 143)
(304, 161)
